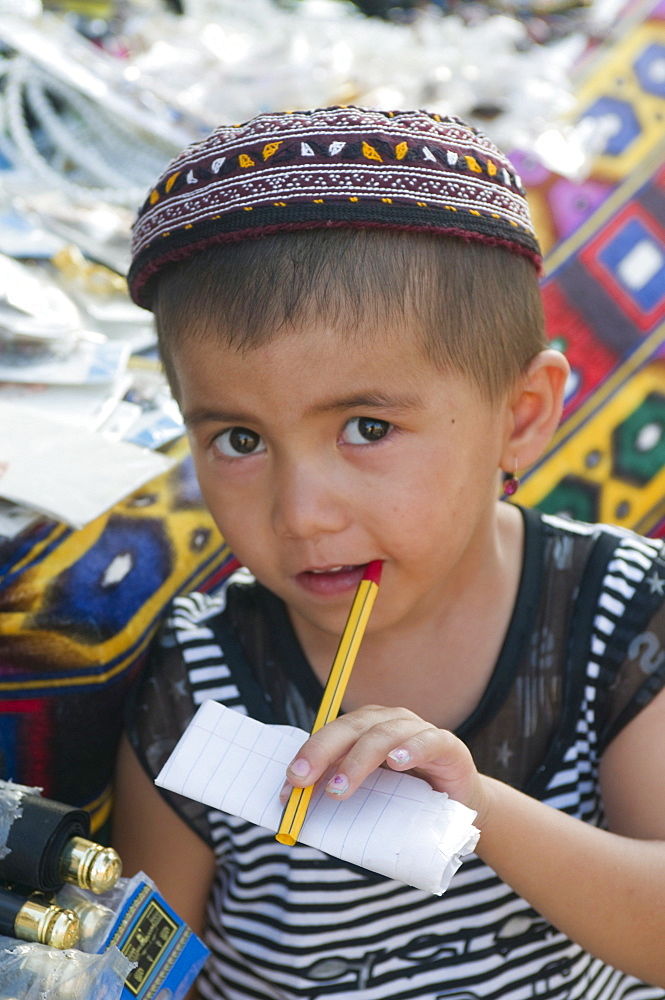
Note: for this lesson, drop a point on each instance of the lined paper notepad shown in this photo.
(394, 824)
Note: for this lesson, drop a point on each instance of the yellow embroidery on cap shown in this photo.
(473, 211)
(171, 181)
(279, 204)
(248, 208)
(473, 164)
(318, 201)
(491, 168)
(154, 197)
(270, 149)
(401, 150)
(421, 204)
(371, 153)
(245, 161)
(388, 201)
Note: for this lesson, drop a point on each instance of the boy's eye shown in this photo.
(238, 441)
(365, 430)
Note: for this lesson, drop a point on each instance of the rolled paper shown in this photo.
(395, 824)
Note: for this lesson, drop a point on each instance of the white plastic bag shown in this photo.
(36, 972)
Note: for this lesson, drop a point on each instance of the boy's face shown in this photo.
(318, 453)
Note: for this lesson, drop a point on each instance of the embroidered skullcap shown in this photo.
(340, 166)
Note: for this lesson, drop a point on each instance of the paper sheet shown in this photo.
(69, 474)
(88, 364)
(394, 824)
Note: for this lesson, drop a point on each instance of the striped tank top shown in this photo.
(584, 653)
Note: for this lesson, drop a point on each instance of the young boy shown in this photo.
(348, 309)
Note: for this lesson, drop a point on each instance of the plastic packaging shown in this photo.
(11, 797)
(38, 321)
(36, 972)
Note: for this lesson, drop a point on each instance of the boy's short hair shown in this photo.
(475, 309)
(338, 214)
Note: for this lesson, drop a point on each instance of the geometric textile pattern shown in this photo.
(604, 295)
(610, 465)
(78, 609)
(624, 95)
(604, 291)
(620, 97)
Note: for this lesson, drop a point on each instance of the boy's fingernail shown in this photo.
(299, 767)
(285, 792)
(400, 755)
(338, 785)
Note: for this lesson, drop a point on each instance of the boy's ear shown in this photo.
(535, 410)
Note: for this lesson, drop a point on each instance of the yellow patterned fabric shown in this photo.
(78, 609)
(604, 289)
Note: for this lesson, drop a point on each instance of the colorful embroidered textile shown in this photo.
(604, 292)
(330, 167)
(77, 612)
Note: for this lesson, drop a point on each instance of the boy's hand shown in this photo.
(349, 748)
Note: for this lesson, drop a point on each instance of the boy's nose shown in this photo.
(307, 502)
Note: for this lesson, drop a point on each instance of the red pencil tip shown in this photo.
(373, 571)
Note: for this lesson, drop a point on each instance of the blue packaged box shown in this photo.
(168, 955)
(134, 918)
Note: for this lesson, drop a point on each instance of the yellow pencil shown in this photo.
(331, 702)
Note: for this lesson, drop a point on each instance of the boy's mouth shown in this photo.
(331, 580)
(331, 569)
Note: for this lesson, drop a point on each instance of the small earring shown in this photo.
(510, 482)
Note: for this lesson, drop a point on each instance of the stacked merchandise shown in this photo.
(70, 927)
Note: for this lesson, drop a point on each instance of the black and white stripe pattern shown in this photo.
(207, 668)
(290, 923)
